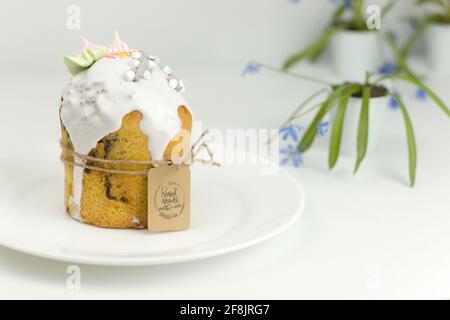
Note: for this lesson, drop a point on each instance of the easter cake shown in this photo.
(123, 107)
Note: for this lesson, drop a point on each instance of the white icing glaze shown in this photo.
(75, 210)
(77, 192)
(96, 100)
(136, 222)
(136, 55)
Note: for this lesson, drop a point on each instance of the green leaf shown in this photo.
(339, 12)
(411, 41)
(363, 128)
(422, 86)
(312, 51)
(315, 55)
(311, 132)
(97, 54)
(399, 56)
(387, 7)
(88, 57)
(77, 64)
(439, 4)
(359, 14)
(412, 149)
(336, 132)
(303, 105)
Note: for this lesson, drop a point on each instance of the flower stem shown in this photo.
(296, 115)
(308, 111)
(294, 75)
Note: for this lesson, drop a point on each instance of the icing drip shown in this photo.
(75, 208)
(137, 223)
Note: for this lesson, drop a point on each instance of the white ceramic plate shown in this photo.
(232, 208)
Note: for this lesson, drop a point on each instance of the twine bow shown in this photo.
(81, 160)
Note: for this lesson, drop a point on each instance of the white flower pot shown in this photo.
(377, 108)
(352, 53)
(437, 39)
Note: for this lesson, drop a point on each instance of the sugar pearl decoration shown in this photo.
(147, 75)
(135, 63)
(141, 68)
(173, 83)
(167, 70)
(181, 87)
(130, 75)
(136, 55)
(154, 58)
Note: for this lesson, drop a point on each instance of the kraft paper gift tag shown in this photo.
(169, 198)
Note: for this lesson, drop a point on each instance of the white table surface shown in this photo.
(369, 236)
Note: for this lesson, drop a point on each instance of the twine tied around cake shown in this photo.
(81, 160)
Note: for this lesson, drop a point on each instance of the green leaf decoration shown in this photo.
(363, 128)
(313, 51)
(412, 149)
(336, 132)
(421, 85)
(76, 65)
(311, 132)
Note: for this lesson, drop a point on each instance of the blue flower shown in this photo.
(414, 23)
(323, 128)
(421, 94)
(348, 4)
(291, 155)
(291, 131)
(251, 68)
(388, 68)
(392, 102)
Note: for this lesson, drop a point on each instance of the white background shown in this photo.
(34, 34)
(368, 236)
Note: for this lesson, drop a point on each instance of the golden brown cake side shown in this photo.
(119, 200)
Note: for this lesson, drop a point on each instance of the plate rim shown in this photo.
(169, 260)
